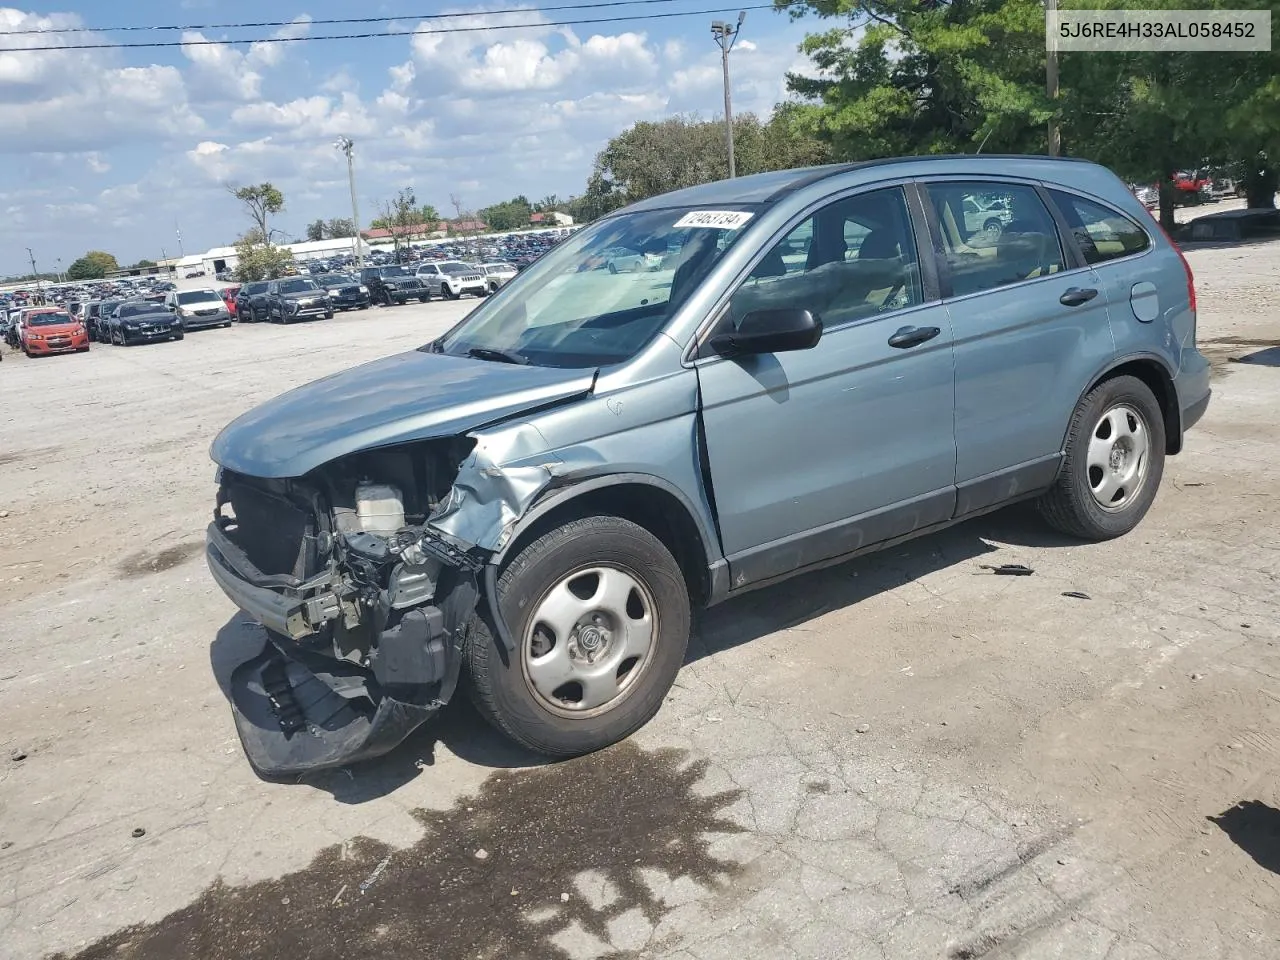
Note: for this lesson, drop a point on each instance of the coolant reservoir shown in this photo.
(379, 508)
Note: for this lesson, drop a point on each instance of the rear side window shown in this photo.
(994, 234)
(1102, 233)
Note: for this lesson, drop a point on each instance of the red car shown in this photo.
(229, 298)
(46, 331)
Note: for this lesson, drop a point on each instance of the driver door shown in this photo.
(818, 453)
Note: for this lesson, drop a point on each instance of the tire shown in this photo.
(448, 293)
(1109, 478)
(993, 228)
(329, 315)
(178, 336)
(501, 683)
(364, 306)
(425, 298)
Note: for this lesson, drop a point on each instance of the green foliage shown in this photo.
(260, 201)
(259, 260)
(339, 228)
(142, 264)
(902, 77)
(94, 265)
(509, 215)
(906, 77)
(315, 230)
(651, 158)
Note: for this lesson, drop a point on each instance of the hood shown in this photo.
(410, 396)
(302, 294)
(56, 329)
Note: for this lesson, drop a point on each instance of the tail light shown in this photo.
(1186, 267)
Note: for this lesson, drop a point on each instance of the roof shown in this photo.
(766, 187)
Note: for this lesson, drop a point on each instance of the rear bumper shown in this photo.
(1192, 388)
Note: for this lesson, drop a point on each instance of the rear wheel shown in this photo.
(329, 315)
(1114, 462)
(599, 613)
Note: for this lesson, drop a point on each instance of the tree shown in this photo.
(902, 77)
(339, 228)
(651, 158)
(256, 259)
(94, 265)
(142, 264)
(509, 215)
(315, 230)
(430, 214)
(259, 201)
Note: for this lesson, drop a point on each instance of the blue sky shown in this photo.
(109, 149)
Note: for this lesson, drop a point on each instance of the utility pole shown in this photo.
(726, 35)
(347, 146)
(35, 272)
(177, 230)
(1051, 77)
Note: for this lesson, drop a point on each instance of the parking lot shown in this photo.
(899, 757)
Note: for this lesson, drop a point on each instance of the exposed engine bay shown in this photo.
(366, 603)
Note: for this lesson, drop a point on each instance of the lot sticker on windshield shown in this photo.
(715, 219)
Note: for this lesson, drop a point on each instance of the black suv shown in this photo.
(393, 284)
(296, 298)
(251, 302)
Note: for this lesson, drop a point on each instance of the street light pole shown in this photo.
(347, 146)
(35, 272)
(726, 35)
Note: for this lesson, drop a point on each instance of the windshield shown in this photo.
(47, 319)
(604, 293)
(138, 309)
(453, 266)
(395, 272)
(197, 296)
(256, 287)
(335, 279)
(297, 286)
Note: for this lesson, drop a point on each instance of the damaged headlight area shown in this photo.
(366, 604)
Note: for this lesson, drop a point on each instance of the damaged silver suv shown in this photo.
(828, 361)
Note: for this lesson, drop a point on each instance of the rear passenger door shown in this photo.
(1030, 323)
(817, 453)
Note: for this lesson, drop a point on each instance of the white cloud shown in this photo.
(221, 71)
(317, 117)
(270, 54)
(93, 160)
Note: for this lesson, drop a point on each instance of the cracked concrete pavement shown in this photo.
(899, 757)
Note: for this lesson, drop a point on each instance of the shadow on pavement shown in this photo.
(1254, 827)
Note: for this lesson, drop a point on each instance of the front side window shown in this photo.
(994, 234)
(578, 306)
(1101, 232)
(854, 258)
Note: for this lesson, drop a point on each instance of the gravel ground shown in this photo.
(901, 757)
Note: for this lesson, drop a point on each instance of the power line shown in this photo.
(342, 21)
(151, 44)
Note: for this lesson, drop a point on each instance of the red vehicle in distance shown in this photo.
(46, 331)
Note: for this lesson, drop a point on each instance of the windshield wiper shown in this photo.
(502, 356)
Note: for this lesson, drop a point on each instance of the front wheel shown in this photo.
(599, 613)
(329, 315)
(1114, 462)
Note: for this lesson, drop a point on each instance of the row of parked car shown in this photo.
(296, 298)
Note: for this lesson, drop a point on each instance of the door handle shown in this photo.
(913, 336)
(1076, 296)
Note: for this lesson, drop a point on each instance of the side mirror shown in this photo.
(770, 331)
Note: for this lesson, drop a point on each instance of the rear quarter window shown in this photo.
(1102, 232)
